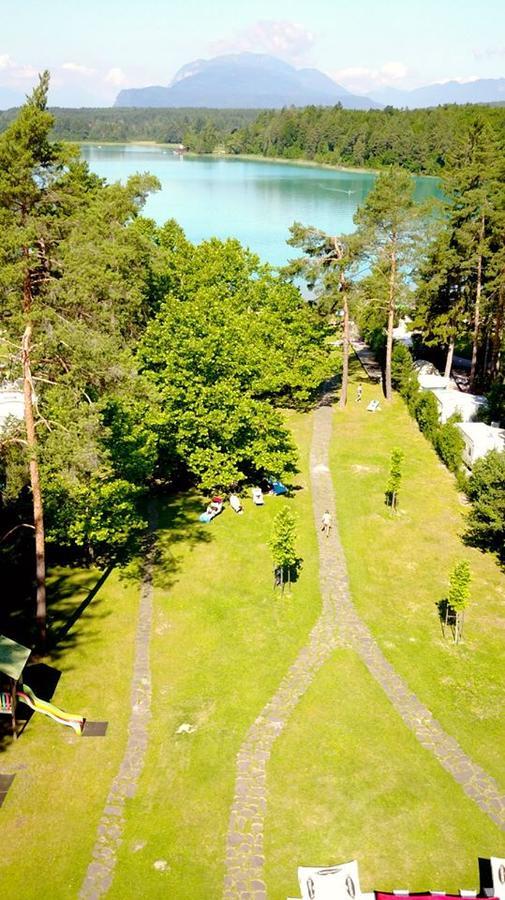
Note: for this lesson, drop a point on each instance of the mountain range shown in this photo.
(245, 81)
(259, 81)
(483, 90)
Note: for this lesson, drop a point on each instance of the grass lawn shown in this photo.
(348, 780)
(399, 567)
(222, 642)
(48, 821)
(346, 777)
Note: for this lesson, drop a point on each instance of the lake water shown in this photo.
(254, 201)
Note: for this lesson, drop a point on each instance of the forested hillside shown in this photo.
(161, 125)
(420, 140)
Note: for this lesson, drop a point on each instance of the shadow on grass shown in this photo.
(74, 592)
(177, 523)
(446, 615)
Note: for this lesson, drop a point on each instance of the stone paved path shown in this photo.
(339, 624)
(110, 828)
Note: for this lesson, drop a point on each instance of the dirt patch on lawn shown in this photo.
(364, 470)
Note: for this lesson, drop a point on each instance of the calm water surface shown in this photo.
(253, 201)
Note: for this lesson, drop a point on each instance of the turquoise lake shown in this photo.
(254, 201)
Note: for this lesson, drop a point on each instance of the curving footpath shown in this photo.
(339, 624)
(100, 873)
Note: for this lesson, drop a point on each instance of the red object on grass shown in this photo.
(420, 895)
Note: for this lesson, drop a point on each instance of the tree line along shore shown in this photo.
(419, 140)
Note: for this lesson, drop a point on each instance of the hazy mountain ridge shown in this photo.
(483, 90)
(244, 80)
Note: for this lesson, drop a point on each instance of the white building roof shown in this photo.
(429, 382)
(450, 402)
(483, 437)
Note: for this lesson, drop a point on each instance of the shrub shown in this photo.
(448, 442)
(426, 413)
(403, 375)
(459, 594)
(486, 490)
(495, 411)
(395, 477)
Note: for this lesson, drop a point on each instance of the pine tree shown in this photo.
(325, 267)
(31, 200)
(387, 235)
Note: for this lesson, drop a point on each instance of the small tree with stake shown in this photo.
(395, 477)
(458, 596)
(282, 544)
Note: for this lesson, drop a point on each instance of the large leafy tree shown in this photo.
(229, 343)
(388, 234)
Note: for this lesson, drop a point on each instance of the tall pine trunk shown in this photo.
(476, 312)
(449, 359)
(391, 323)
(31, 439)
(498, 333)
(345, 351)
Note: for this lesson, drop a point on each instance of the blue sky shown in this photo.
(94, 48)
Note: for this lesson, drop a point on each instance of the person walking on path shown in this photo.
(326, 522)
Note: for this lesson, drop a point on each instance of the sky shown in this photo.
(95, 48)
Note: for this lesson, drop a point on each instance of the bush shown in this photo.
(403, 375)
(426, 413)
(495, 411)
(448, 442)
(486, 490)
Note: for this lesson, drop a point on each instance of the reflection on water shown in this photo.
(254, 201)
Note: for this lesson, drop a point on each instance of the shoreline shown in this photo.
(247, 157)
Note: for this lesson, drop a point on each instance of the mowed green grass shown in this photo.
(348, 780)
(399, 567)
(222, 642)
(48, 821)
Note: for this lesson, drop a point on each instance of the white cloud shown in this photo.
(498, 51)
(362, 78)
(116, 77)
(13, 72)
(289, 40)
(78, 69)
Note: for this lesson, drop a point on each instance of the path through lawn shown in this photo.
(222, 642)
(399, 567)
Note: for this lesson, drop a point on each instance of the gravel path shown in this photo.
(339, 624)
(101, 869)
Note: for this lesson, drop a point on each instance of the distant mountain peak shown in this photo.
(244, 80)
(479, 90)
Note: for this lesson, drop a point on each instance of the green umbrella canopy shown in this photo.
(13, 657)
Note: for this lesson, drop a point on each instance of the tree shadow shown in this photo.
(487, 543)
(175, 521)
(447, 616)
(285, 576)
